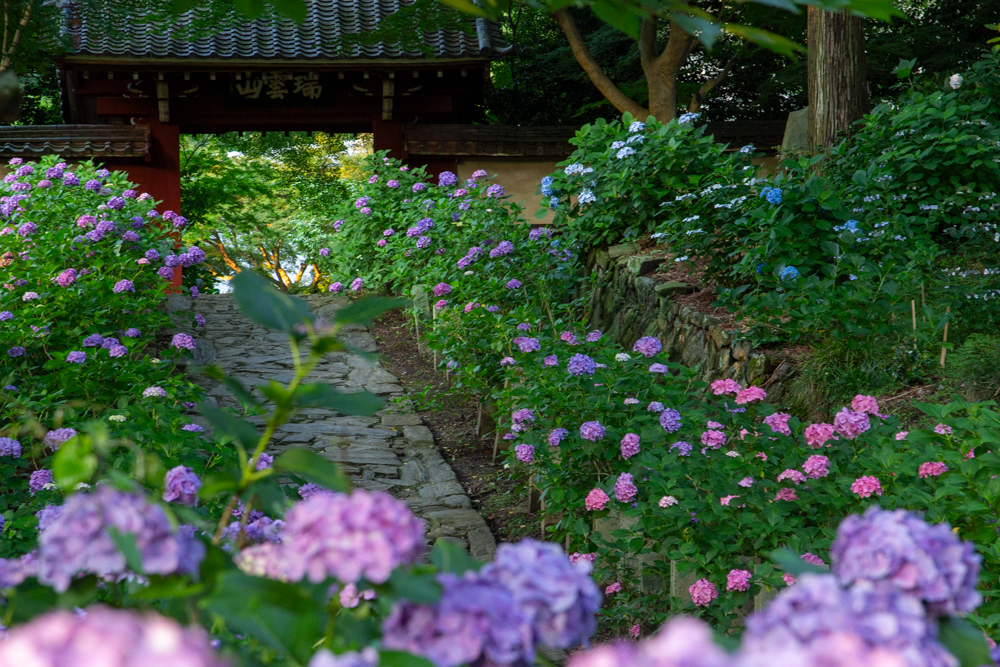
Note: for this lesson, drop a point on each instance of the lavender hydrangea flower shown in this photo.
(368, 657)
(193, 428)
(524, 453)
(363, 534)
(157, 392)
(446, 179)
(514, 283)
(476, 621)
(55, 438)
(625, 488)
(71, 179)
(6, 315)
(38, 480)
(526, 344)
(581, 364)
(181, 485)
(129, 333)
(670, 420)
(592, 431)
(357, 284)
(67, 277)
(123, 286)
(560, 599)
(79, 539)
(655, 406)
(556, 436)
(495, 190)
(264, 461)
(109, 637)
(647, 346)
(183, 341)
(898, 547)
(109, 343)
(10, 447)
(503, 248)
(117, 351)
(165, 272)
(16, 351)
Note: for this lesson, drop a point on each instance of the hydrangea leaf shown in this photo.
(243, 432)
(322, 395)
(402, 659)
(450, 557)
(74, 463)
(129, 549)
(965, 642)
(238, 389)
(266, 306)
(365, 310)
(420, 588)
(313, 467)
(791, 563)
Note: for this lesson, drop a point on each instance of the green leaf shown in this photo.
(215, 483)
(625, 18)
(283, 616)
(707, 31)
(126, 544)
(780, 4)
(74, 463)
(313, 467)
(243, 432)
(321, 395)
(768, 40)
(466, 7)
(450, 557)
(270, 497)
(365, 310)
(419, 588)
(266, 306)
(399, 658)
(31, 599)
(251, 8)
(237, 388)
(293, 9)
(181, 6)
(965, 642)
(790, 562)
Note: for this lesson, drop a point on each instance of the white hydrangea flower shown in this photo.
(117, 418)
(623, 356)
(955, 81)
(732, 453)
(625, 152)
(668, 501)
(637, 126)
(586, 197)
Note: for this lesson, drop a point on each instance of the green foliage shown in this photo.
(975, 366)
(261, 202)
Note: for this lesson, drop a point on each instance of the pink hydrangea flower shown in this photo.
(746, 482)
(789, 579)
(942, 429)
(812, 558)
(931, 469)
(613, 588)
(786, 494)
(713, 439)
(703, 592)
(749, 395)
(667, 501)
(726, 386)
(902, 435)
(630, 445)
(761, 455)
(851, 424)
(779, 422)
(725, 500)
(715, 425)
(738, 580)
(862, 403)
(596, 500)
(867, 485)
(818, 434)
(816, 466)
(792, 474)
(576, 557)
(634, 631)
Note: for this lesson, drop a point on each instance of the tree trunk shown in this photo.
(838, 75)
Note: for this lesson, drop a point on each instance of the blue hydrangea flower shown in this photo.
(773, 196)
(547, 190)
(789, 273)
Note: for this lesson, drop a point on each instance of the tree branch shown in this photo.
(5, 62)
(593, 70)
(647, 44)
(706, 87)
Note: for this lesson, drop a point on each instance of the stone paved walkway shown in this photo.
(392, 451)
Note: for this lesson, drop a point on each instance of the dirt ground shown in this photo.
(495, 491)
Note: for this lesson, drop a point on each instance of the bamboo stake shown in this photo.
(945, 339)
(913, 309)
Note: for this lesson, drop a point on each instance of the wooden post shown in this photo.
(913, 309)
(945, 339)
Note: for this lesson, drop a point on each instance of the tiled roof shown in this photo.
(317, 37)
(75, 141)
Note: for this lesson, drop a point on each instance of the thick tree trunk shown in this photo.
(838, 75)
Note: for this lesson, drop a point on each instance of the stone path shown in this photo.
(392, 451)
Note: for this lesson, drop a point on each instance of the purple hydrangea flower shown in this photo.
(27, 229)
(581, 364)
(55, 438)
(71, 179)
(556, 436)
(124, 639)
(423, 242)
(200, 320)
(307, 491)
(899, 548)
(117, 351)
(357, 284)
(670, 420)
(157, 392)
(659, 368)
(560, 598)
(16, 351)
(625, 488)
(594, 336)
(514, 283)
(336, 287)
(152, 255)
(38, 480)
(76, 357)
(109, 343)
(6, 315)
(194, 292)
(495, 190)
(129, 333)
(10, 447)
(264, 461)
(526, 344)
(183, 341)
(524, 453)
(193, 428)
(551, 360)
(79, 539)
(419, 187)
(447, 179)
(123, 286)
(477, 621)
(347, 536)
(503, 248)
(592, 431)
(93, 340)
(130, 236)
(116, 203)
(165, 272)
(683, 448)
(181, 485)
(647, 346)
(630, 445)
(67, 277)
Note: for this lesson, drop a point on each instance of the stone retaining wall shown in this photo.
(627, 304)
